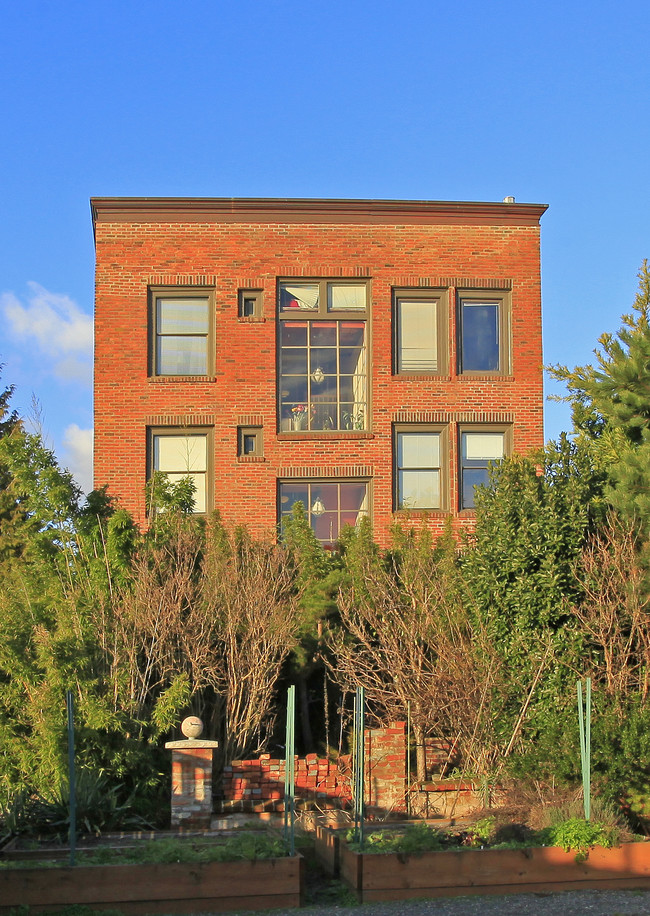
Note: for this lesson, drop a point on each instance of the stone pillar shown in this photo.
(192, 777)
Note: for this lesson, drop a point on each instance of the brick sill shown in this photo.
(250, 459)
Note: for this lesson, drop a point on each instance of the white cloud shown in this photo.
(78, 455)
(56, 326)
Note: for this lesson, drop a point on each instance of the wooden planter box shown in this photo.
(392, 876)
(142, 889)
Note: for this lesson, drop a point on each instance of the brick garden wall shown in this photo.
(258, 785)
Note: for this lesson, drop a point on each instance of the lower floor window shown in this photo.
(418, 467)
(180, 456)
(329, 505)
(477, 452)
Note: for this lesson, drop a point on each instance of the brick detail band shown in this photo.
(459, 282)
(250, 419)
(355, 470)
(182, 280)
(181, 419)
(442, 416)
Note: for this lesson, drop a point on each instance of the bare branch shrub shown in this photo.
(249, 593)
(615, 612)
(406, 637)
(217, 609)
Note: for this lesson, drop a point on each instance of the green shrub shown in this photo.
(578, 835)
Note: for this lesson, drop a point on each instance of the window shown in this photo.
(250, 303)
(322, 355)
(418, 469)
(477, 451)
(249, 442)
(181, 455)
(181, 332)
(483, 333)
(329, 504)
(420, 331)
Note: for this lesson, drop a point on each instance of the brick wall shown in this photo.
(258, 785)
(136, 250)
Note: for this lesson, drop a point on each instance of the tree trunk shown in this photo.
(305, 724)
(420, 754)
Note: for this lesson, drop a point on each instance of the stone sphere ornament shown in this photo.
(192, 727)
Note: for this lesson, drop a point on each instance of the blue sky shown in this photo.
(427, 100)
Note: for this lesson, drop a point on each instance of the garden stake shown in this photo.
(290, 771)
(584, 721)
(72, 836)
(359, 751)
(408, 758)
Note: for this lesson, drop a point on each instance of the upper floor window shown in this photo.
(322, 355)
(478, 450)
(484, 333)
(181, 323)
(180, 455)
(420, 331)
(418, 467)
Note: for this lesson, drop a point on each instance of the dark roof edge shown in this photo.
(261, 209)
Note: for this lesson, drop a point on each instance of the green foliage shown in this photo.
(611, 407)
(249, 846)
(101, 806)
(413, 841)
(578, 835)
(483, 831)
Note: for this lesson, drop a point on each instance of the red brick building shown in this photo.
(365, 357)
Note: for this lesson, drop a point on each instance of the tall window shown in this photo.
(322, 355)
(181, 455)
(477, 451)
(418, 469)
(484, 333)
(420, 332)
(328, 504)
(181, 333)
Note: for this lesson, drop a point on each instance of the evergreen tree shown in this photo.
(611, 407)
(10, 511)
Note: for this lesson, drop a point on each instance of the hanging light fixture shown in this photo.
(317, 375)
(317, 508)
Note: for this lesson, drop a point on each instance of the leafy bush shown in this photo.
(412, 841)
(99, 809)
(248, 846)
(578, 835)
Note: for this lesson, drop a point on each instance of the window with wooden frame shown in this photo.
(182, 454)
(329, 504)
(182, 331)
(420, 331)
(250, 303)
(419, 460)
(249, 442)
(483, 332)
(322, 355)
(479, 449)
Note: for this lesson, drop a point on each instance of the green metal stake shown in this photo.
(290, 772)
(358, 770)
(408, 758)
(584, 722)
(71, 778)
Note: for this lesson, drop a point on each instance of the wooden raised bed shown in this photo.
(393, 876)
(142, 889)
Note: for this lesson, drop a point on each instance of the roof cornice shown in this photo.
(308, 210)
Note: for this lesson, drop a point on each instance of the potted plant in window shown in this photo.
(299, 416)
